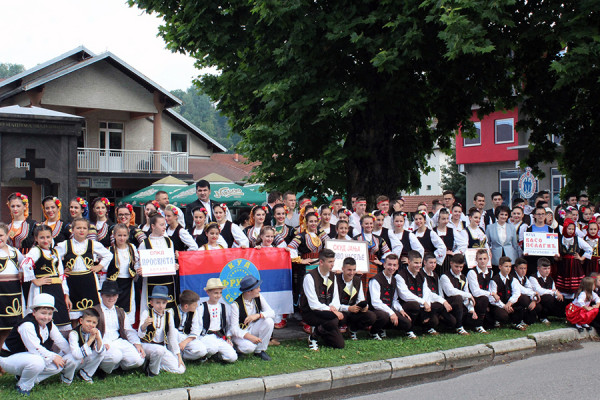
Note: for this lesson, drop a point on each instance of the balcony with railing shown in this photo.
(131, 161)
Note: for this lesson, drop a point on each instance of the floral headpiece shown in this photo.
(423, 213)
(223, 206)
(56, 201)
(105, 201)
(210, 225)
(173, 209)
(25, 201)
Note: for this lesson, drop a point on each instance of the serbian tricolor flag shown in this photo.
(270, 264)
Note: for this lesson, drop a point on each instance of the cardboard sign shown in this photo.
(540, 244)
(356, 249)
(471, 258)
(157, 262)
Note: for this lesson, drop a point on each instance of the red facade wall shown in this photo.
(488, 150)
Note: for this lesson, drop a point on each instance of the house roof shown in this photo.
(35, 111)
(411, 202)
(224, 165)
(199, 132)
(84, 58)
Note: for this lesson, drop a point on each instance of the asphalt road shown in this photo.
(561, 375)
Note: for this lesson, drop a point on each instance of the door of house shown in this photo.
(111, 146)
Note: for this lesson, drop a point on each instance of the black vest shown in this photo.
(151, 329)
(448, 238)
(200, 239)
(148, 243)
(87, 256)
(457, 283)
(187, 326)
(426, 241)
(15, 344)
(406, 247)
(522, 281)
(45, 267)
(112, 272)
(324, 294)
(206, 319)
(178, 244)
(474, 243)
(242, 310)
(344, 296)
(80, 337)
(432, 281)
(547, 284)
(484, 281)
(504, 290)
(414, 284)
(387, 291)
(227, 235)
(571, 250)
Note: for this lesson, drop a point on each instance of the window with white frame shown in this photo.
(179, 142)
(111, 136)
(476, 141)
(508, 185)
(504, 130)
(558, 182)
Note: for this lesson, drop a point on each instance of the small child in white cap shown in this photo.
(27, 352)
(214, 332)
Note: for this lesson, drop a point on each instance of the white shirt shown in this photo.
(396, 242)
(29, 264)
(526, 287)
(438, 243)
(311, 295)
(349, 288)
(100, 252)
(10, 267)
(111, 326)
(234, 315)
(515, 287)
(195, 328)
(34, 345)
(239, 237)
(461, 240)
(406, 295)
(501, 233)
(436, 217)
(355, 222)
(214, 311)
(474, 288)
(81, 352)
(448, 289)
(185, 237)
(160, 322)
(583, 245)
(535, 284)
(124, 258)
(580, 301)
(433, 296)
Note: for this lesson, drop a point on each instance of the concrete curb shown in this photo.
(318, 380)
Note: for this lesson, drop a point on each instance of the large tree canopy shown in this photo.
(352, 95)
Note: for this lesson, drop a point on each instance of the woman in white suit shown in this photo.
(502, 237)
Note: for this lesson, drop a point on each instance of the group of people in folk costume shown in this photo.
(73, 300)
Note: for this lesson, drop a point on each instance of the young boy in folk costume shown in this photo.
(353, 305)
(189, 327)
(441, 308)
(158, 240)
(20, 229)
(479, 285)
(77, 255)
(11, 297)
(552, 301)
(573, 252)
(378, 248)
(86, 345)
(123, 269)
(510, 305)
(251, 319)
(159, 335)
(455, 288)
(44, 269)
(51, 209)
(215, 334)
(533, 309)
(27, 352)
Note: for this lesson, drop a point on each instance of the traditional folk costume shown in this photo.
(455, 289)
(351, 293)
(160, 340)
(476, 238)
(546, 289)
(413, 293)
(529, 316)
(150, 282)
(404, 242)
(593, 264)
(383, 301)
(306, 245)
(378, 250)
(78, 259)
(436, 300)
(122, 269)
(190, 327)
(508, 289)
(432, 243)
(215, 330)
(88, 358)
(577, 315)
(479, 286)
(11, 295)
(60, 230)
(569, 270)
(41, 263)
(233, 235)
(455, 243)
(20, 235)
(252, 233)
(283, 233)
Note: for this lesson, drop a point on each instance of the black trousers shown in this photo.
(550, 306)
(419, 315)
(326, 325)
(383, 322)
(501, 315)
(458, 311)
(358, 321)
(482, 304)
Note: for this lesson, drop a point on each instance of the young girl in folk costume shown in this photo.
(344, 215)
(401, 240)
(325, 224)
(593, 264)
(230, 232)
(125, 215)
(430, 240)
(378, 248)
(475, 234)
(158, 240)
(341, 230)
(257, 220)
(304, 210)
(213, 233)
(79, 208)
(100, 223)
(44, 269)
(182, 240)
(51, 209)
(150, 207)
(584, 308)
(283, 232)
(11, 296)
(197, 229)
(569, 269)
(305, 250)
(585, 216)
(78, 256)
(455, 242)
(378, 226)
(123, 269)
(20, 230)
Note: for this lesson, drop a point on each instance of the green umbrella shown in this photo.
(231, 194)
(169, 184)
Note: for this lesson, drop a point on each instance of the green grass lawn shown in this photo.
(291, 356)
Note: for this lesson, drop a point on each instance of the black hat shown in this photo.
(249, 283)
(109, 287)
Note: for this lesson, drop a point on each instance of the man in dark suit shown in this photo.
(203, 193)
(273, 199)
(490, 215)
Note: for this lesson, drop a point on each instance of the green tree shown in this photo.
(7, 70)
(454, 180)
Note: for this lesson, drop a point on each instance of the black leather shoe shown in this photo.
(263, 356)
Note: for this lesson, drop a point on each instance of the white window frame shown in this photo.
(478, 127)
(103, 131)
(555, 173)
(514, 184)
(504, 121)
